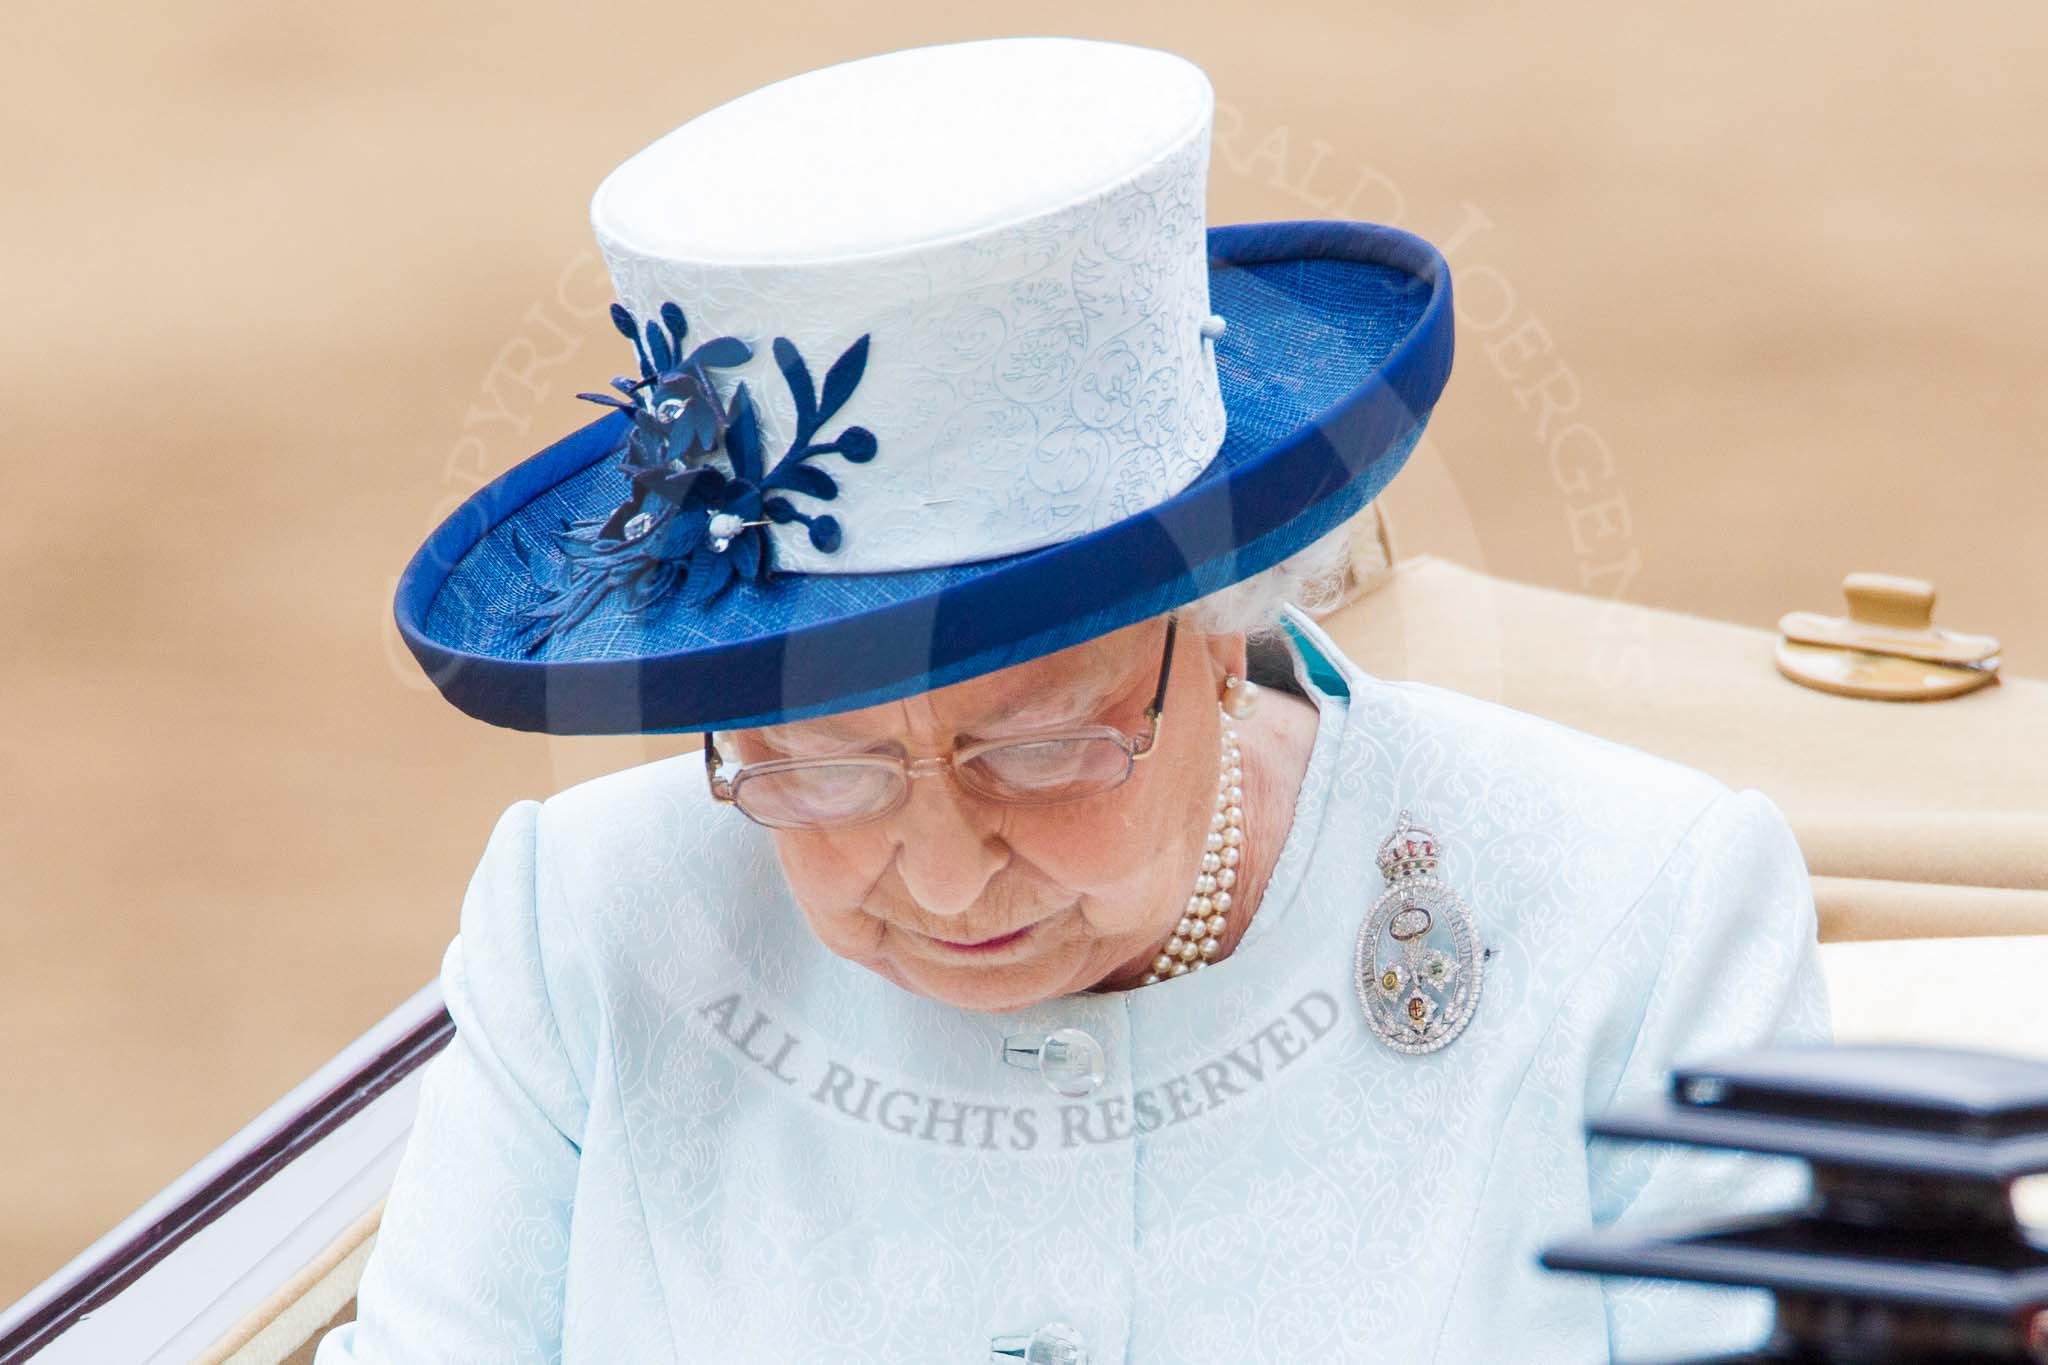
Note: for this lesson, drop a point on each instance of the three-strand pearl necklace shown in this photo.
(1199, 936)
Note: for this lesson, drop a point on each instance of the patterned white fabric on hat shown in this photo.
(1017, 225)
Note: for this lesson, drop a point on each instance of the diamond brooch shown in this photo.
(1420, 962)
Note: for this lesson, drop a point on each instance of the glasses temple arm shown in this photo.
(1158, 705)
(721, 790)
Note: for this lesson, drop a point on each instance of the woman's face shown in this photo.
(1094, 885)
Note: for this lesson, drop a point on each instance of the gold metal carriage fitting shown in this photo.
(1887, 648)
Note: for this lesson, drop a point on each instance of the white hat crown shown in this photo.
(1015, 228)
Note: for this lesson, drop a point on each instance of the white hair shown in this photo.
(1317, 579)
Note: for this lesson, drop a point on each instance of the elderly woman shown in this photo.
(1061, 952)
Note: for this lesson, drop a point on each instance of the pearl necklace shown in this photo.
(1198, 937)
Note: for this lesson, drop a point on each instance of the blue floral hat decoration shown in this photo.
(939, 370)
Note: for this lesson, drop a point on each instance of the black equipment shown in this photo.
(1910, 1249)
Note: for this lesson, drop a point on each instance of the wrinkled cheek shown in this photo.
(845, 926)
(1112, 881)
(825, 870)
(854, 936)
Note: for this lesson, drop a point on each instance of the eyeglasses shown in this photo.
(839, 792)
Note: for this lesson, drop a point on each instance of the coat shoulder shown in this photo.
(1521, 795)
(1493, 729)
(655, 815)
(1493, 765)
(645, 867)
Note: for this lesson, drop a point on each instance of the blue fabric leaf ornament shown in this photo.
(686, 526)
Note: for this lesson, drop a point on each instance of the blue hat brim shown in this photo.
(1339, 343)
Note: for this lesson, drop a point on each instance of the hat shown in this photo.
(934, 369)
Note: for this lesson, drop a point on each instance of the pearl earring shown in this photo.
(1240, 696)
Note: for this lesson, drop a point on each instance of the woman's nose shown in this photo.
(945, 851)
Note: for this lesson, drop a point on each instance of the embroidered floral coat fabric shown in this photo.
(672, 1127)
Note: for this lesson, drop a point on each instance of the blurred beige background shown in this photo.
(285, 282)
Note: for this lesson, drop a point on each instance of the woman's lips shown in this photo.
(988, 944)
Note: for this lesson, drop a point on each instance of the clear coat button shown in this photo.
(1053, 1344)
(1069, 1059)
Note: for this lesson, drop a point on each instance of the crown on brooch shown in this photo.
(1410, 851)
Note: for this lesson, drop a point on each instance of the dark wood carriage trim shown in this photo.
(56, 1307)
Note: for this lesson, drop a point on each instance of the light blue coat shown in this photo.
(672, 1126)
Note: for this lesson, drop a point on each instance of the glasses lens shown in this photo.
(1043, 771)
(818, 795)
